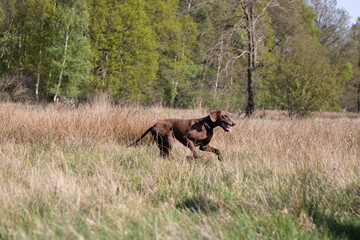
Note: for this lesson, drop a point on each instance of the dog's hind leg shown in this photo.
(164, 140)
(165, 144)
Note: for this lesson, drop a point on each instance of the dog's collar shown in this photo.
(207, 126)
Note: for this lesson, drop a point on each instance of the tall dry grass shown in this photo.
(66, 173)
(91, 124)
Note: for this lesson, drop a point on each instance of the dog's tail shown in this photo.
(142, 136)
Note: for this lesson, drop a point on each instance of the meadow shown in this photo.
(66, 173)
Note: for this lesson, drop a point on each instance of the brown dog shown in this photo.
(190, 132)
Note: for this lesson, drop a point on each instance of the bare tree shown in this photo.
(253, 15)
(332, 21)
(237, 34)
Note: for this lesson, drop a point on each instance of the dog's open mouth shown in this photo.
(225, 127)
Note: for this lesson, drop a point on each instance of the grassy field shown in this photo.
(65, 173)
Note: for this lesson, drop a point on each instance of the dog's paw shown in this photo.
(189, 158)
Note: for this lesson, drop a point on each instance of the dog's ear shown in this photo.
(214, 115)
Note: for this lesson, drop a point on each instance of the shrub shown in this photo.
(13, 88)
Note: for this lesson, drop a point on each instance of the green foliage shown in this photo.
(304, 79)
(179, 53)
(146, 41)
(176, 36)
(351, 140)
(71, 19)
(350, 97)
(308, 16)
(346, 72)
(34, 43)
(124, 48)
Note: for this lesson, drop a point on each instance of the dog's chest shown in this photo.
(201, 137)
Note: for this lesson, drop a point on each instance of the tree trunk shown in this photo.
(358, 97)
(218, 67)
(39, 63)
(48, 82)
(251, 60)
(64, 61)
(174, 83)
(250, 102)
(38, 79)
(203, 74)
(358, 91)
(20, 56)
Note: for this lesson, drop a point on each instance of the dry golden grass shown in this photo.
(92, 124)
(66, 173)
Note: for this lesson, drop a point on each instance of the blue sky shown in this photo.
(352, 7)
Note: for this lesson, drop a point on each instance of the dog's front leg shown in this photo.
(213, 150)
(190, 144)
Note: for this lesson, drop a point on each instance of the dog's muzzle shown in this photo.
(226, 127)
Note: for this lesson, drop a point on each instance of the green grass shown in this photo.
(112, 192)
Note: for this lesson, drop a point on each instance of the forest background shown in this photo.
(293, 55)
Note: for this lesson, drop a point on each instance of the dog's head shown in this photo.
(222, 119)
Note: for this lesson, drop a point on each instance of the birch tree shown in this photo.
(64, 60)
(70, 50)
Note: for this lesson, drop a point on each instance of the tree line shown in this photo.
(295, 55)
